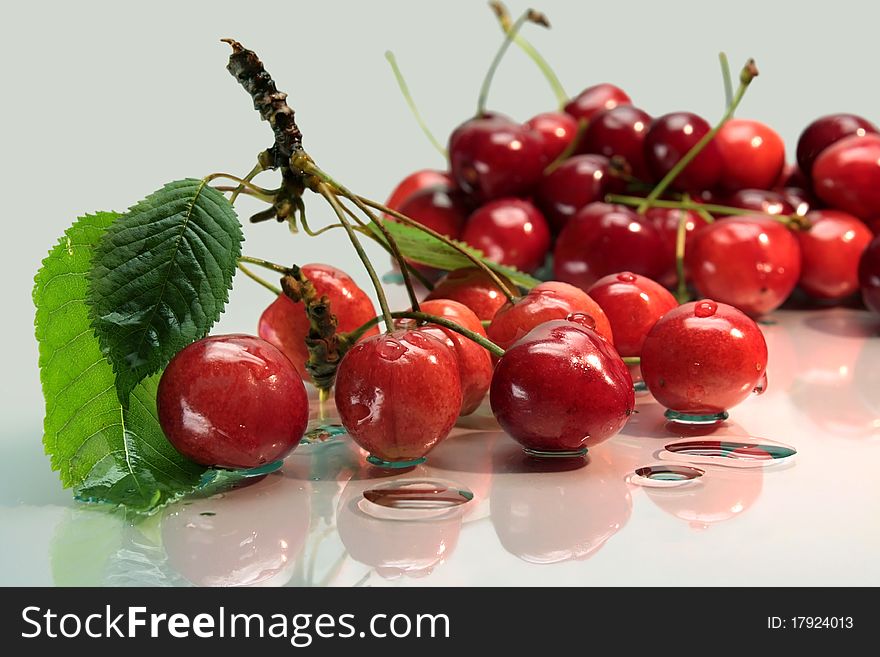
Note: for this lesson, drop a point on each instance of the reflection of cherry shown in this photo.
(249, 535)
(550, 517)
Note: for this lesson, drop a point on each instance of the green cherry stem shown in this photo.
(681, 294)
(748, 73)
(549, 74)
(632, 360)
(407, 96)
(267, 195)
(262, 281)
(325, 191)
(725, 76)
(265, 264)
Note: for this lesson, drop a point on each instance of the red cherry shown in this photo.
(474, 362)
(830, 252)
(557, 130)
(753, 154)
(595, 99)
(472, 287)
(665, 220)
(669, 138)
(574, 184)
(869, 275)
(493, 158)
(798, 198)
(285, 323)
(847, 175)
(751, 262)
(561, 388)
(415, 182)
(439, 208)
(510, 231)
(633, 304)
(544, 302)
(703, 358)
(232, 401)
(792, 176)
(825, 131)
(620, 132)
(602, 239)
(760, 200)
(398, 394)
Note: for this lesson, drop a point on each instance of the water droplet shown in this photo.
(736, 453)
(583, 319)
(761, 388)
(705, 308)
(390, 349)
(626, 277)
(665, 475)
(406, 323)
(207, 513)
(414, 499)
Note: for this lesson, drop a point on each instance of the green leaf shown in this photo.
(161, 277)
(426, 249)
(104, 451)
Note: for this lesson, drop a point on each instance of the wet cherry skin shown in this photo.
(285, 323)
(440, 208)
(846, 175)
(493, 158)
(830, 252)
(703, 358)
(633, 304)
(560, 388)
(595, 99)
(825, 131)
(669, 138)
(574, 184)
(510, 231)
(415, 182)
(751, 262)
(760, 200)
(557, 130)
(472, 287)
(665, 220)
(544, 302)
(233, 401)
(620, 132)
(753, 155)
(603, 239)
(398, 394)
(474, 362)
(869, 275)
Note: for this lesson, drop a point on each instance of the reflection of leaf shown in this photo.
(83, 543)
(426, 249)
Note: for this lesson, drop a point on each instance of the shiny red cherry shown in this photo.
(869, 275)
(416, 182)
(620, 132)
(561, 388)
(751, 262)
(595, 99)
(398, 395)
(703, 358)
(602, 239)
(557, 130)
(760, 200)
(574, 184)
(847, 175)
(825, 131)
(285, 323)
(830, 252)
(544, 302)
(493, 158)
(440, 208)
(510, 231)
(669, 138)
(474, 362)
(666, 220)
(474, 288)
(799, 198)
(753, 155)
(633, 304)
(233, 401)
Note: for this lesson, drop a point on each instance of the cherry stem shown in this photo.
(510, 34)
(725, 76)
(308, 230)
(632, 360)
(570, 148)
(265, 264)
(748, 73)
(407, 96)
(681, 294)
(325, 191)
(266, 284)
(488, 345)
(263, 194)
(477, 262)
(549, 74)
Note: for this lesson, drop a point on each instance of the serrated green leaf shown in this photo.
(426, 249)
(105, 452)
(161, 276)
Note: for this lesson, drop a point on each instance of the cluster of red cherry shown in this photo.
(737, 223)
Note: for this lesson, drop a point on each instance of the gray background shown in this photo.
(103, 102)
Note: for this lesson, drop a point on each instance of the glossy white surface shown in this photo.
(815, 520)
